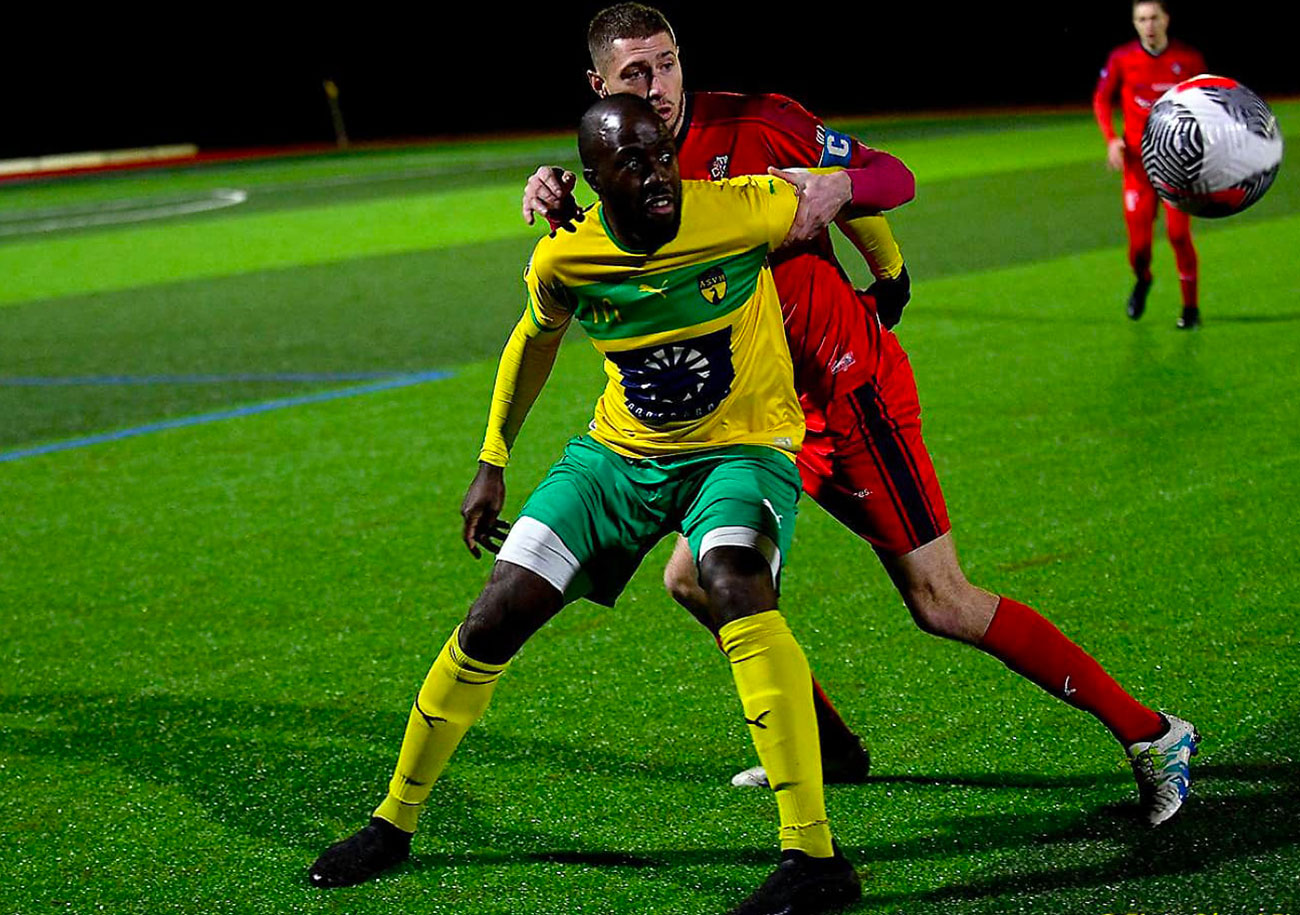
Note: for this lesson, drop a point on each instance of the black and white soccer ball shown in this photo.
(1211, 147)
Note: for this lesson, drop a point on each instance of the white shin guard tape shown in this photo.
(743, 536)
(539, 549)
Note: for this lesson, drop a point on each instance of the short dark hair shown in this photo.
(1164, 7)
(623, 20)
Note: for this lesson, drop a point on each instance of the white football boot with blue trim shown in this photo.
(1163, 769)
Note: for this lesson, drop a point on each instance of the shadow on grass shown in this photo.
(1217, 825)
(1280, 318)
(286, 772)
(293, 774)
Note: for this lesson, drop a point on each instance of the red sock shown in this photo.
(1022, 639)
(1188, 286)
(834, 735)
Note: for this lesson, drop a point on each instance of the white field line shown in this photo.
(115, 212)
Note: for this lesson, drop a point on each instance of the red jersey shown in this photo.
(830, 333)
(1140, 78)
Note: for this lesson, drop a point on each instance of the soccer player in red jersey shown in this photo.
(863, 458)
(1139, 73)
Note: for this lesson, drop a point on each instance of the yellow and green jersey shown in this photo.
(695, 351)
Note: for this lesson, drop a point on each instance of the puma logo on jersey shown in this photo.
(654, 290)
(758, 722)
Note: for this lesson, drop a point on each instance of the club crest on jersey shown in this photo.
(1177, 68)
(720, 167)
(713, 285)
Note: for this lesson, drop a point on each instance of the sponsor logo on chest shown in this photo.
(720, 167)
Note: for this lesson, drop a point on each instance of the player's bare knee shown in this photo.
(737, 582)
(683, 585)
(513, 605)
(946, 608)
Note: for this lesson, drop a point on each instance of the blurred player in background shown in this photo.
(863, 458)
(1139, 73)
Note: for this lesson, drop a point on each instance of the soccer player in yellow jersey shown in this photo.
(695, 433)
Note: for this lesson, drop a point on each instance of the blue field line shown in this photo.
(41, 381)
(399, 381)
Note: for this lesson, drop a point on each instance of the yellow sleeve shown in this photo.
(872, 236)
(771, 205)
(525, 364)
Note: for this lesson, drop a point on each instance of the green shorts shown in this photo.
(589, 524)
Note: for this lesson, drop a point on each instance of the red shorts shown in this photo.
(863, 459)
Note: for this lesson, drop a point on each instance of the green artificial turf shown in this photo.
(210, 636)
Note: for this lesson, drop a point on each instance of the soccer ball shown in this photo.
(1211, 147)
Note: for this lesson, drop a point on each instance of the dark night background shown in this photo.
(230, 79)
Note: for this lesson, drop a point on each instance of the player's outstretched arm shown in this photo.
(549, 194)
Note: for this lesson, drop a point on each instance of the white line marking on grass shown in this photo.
(116, 212)
(59, 381)
(401, 381)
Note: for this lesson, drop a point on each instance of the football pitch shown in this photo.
(240, 404)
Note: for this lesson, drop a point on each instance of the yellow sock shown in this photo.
(775, 689)
(453, 696)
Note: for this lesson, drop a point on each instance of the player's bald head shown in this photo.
(611, 121)
(630, 160)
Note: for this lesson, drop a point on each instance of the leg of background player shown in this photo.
(1139, 218)
(844, 758)
(1179, 225)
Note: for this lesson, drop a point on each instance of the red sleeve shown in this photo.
(798, 139)
(1103, 99)
(880, 181)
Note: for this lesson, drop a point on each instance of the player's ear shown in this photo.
(597, 82)
(589, 175)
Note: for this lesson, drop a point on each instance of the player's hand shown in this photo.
(1115, 150)
(549, 194)
(821, 197)
(889, 297)
(482, 508)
